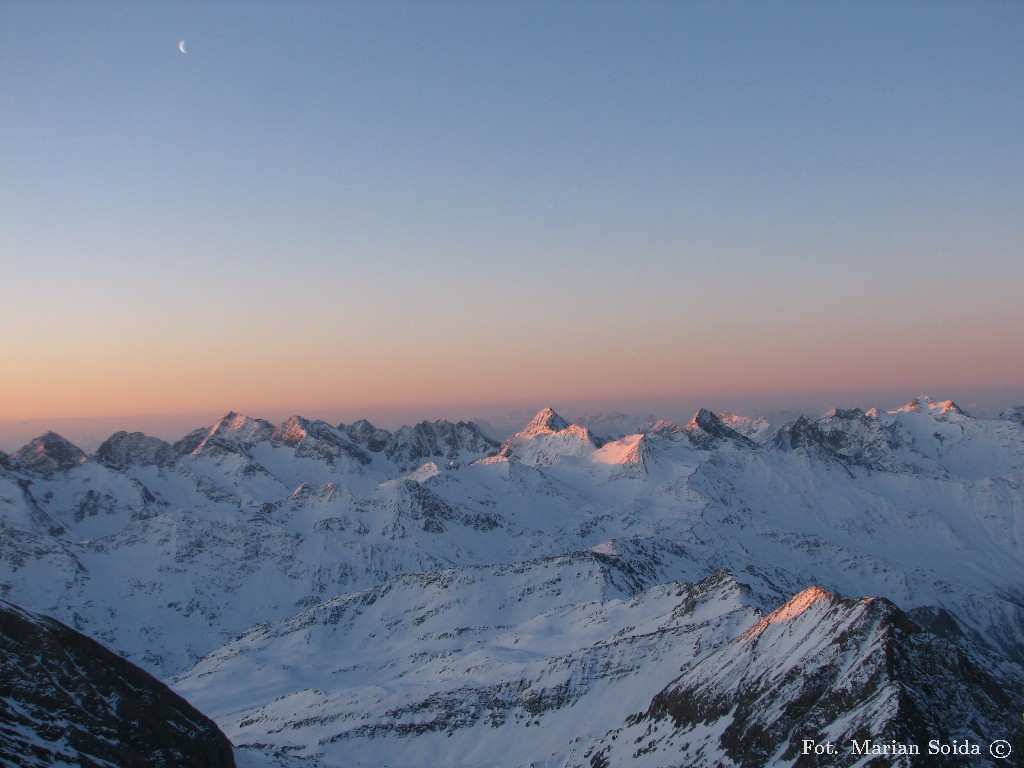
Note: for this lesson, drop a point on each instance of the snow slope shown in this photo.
(346, 590)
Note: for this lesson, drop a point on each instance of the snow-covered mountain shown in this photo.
(858, 675)
(483, 665)
(351, 595)
(548, 438)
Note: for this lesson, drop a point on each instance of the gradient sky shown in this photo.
(326, 206)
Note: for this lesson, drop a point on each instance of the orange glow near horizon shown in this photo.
(90, 382)
(271, 228)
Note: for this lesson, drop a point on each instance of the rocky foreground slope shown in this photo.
(66, 700)
(824, 681)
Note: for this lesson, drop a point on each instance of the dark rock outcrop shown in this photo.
(126, 449)
(64, 698)
(439, 440)
(47, 455)
(707, 431)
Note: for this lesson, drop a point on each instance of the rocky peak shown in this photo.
(664, 427)
(242, 428)
(190, 442)
(126, 449)
(706, 430)
(48, 454)
(707, 421)
(802, 433)
(411, 446)
(1015, 414)
(315, 439)
(846, 414)
(822, 668)
(364, 433)
(231, 432)
(291, 432)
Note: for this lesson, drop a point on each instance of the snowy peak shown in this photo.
(705, 431)
(407, 448)
(546, 438)
(48, 454)
(754, 428)
(546, 422)
(790, 610)
(630, 453)
(664, 427)
(233, 432)
(291, 432)
(242, 428)
(821, 668)
(924, 436)
(549, 423)
(318, 440)
(926, 404)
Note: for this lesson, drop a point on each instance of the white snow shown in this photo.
(488, 576)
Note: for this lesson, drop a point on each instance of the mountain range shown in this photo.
(722, 592)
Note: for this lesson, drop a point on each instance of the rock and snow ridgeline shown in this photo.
(353, 595)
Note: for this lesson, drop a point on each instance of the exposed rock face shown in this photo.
(859, 674)
(364, 433)
(411, 446)
(319, 441)
(706, 431)
(123, 449)
(1015, 414)
(234, 433)
(64, 698)
(874, 441)
(48, 455)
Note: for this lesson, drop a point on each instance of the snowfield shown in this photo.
(699, 594)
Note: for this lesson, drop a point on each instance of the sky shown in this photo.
(349, 208)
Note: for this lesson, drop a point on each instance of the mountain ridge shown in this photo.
(171, 553)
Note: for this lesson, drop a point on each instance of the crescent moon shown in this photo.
(181, 46)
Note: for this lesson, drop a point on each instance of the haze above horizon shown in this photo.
(360, 208)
